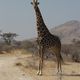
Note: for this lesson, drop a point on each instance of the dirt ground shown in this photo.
(8, 70)
(23, 67)
(29, 65)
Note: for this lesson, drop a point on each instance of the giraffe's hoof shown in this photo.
(59, 73)
(39, 73)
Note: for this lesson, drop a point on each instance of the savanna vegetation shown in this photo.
(70, 52)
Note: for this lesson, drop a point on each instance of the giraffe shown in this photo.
(46, 40)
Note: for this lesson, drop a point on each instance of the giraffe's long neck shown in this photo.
(41, 27)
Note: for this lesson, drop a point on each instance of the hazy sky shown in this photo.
(18, 15)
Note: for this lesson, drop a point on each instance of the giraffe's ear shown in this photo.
(32, 3)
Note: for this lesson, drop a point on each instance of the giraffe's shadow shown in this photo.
(60, 76)
(64, 74)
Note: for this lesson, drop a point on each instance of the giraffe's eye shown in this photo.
(32, 3)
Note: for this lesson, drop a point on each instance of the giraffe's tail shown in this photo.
(61, 58)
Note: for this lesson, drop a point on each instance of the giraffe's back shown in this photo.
(50, 40)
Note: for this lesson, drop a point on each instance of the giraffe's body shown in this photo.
(46, 40)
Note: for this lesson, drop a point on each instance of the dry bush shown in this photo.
(71, 52)
(76, 57)
(26, 44)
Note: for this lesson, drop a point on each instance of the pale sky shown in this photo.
(18, 15)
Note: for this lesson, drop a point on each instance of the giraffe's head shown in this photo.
(35, 3)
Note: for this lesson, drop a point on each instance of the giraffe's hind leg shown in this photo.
(59, 67)
(57, 51)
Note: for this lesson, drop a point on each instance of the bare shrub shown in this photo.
(75, 57)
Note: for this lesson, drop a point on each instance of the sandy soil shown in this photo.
(8, 70)
(27, 68)
(71, 71)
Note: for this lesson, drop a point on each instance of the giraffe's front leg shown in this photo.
(41, 55)
(40, 68)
